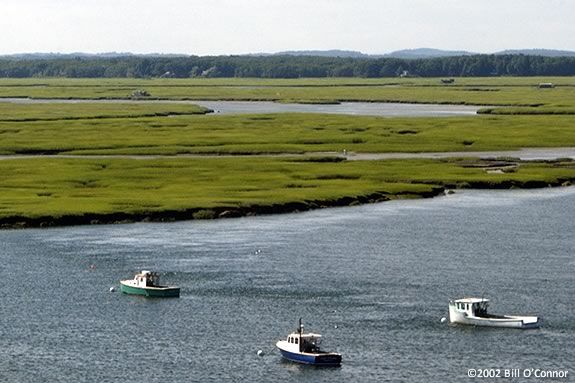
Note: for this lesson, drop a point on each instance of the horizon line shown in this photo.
(132, 53)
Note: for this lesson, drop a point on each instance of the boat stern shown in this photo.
(330, 359)
(531, 322)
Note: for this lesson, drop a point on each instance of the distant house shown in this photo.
(546, 85)
(168, 74)
(209, 72)
(139, 93)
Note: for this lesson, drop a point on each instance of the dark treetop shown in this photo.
(282, 66)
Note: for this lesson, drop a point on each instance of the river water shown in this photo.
(350, 108)
(244, 107)
(375, 280)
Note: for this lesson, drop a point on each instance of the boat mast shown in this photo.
(300, 331)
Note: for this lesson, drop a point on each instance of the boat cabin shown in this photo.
(147, 279)
(471, 306)
(306, 342)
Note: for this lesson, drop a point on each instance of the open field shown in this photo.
(479, 91)
(37, 192)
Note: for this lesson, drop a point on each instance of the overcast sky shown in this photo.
(214, 27)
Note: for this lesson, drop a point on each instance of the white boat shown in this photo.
(473, 311)
(304, 348)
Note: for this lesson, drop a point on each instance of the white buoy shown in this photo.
(112, 289)
(443, 320)
(260, 353)
(335, 326)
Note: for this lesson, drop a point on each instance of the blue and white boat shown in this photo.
(304, 348)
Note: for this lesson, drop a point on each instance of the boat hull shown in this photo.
(506, 322)
(154, 292)
(328, 359)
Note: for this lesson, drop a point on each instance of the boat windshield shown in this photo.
(480, 309)
(149, 278)
(311, 344)
(153, 279)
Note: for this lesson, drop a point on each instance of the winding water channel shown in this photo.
(244, 107)
(526, 154)
(349, 108)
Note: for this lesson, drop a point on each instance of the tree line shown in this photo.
(285, 66)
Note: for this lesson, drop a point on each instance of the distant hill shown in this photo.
(327, 53)
(402, 54)
(418, 53)
(426, 53)
(537, 52)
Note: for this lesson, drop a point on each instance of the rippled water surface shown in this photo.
(375, 280)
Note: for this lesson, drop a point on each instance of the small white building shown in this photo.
(546, 85)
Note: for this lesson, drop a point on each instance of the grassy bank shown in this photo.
(479, 91)
(14, 112)
(279, 133)
(565, 110)
(45, 192)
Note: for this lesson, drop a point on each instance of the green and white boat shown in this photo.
(147, 283)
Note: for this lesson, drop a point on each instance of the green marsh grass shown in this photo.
(202, 187)
(283, 133)
(49, 187)
(509, 91)
(16, 112)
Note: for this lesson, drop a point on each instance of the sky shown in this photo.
(224, 27)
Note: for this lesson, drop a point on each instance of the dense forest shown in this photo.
(285, 66)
